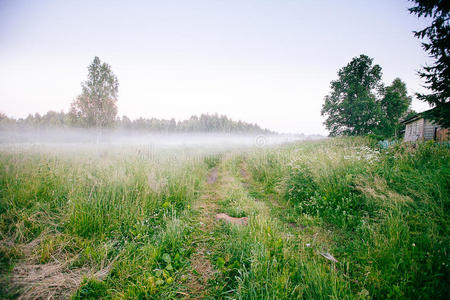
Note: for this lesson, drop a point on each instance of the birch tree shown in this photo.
(96, 105)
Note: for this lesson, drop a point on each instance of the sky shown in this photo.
(264, 62)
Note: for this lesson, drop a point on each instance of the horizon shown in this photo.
(247, 61)
(179, 122)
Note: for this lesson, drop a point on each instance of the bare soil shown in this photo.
(201, 267)
(228, 219)
(212, 177)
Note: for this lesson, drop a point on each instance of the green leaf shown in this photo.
(220, 262)
(158, 273)
(166, 258)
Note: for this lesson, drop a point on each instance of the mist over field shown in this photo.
(86, 137)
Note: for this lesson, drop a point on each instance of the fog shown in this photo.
(89, 137)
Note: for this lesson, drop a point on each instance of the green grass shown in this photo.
(127, 213)
(386, 212)
(127, 208)
(267, 259)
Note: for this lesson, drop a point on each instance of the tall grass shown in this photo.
(266, 259)
(387, 210)
(122, 208)
(126, 213)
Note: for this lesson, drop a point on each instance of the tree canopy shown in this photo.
(437, 44)
(359, 103)
(351, 106)
(394, 104)
(96, 106)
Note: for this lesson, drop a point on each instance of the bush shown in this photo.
(334, 198)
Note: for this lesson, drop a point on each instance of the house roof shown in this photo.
(412, 119)
(415, 117)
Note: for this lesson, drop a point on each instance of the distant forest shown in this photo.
(204, 123)
(96, 108)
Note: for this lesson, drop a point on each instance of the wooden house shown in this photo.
(417, 128)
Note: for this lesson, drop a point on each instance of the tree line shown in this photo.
(202, 123)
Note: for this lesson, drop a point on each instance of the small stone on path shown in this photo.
(228, 219)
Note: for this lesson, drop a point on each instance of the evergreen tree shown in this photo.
(437, 44)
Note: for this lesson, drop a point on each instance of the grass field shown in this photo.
(337, 219)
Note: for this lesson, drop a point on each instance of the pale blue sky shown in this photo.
(268, 62)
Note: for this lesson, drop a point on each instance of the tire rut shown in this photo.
(201, 268)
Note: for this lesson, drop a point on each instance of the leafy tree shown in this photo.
(5, 121)
(96, 106)
(437, 75)
(125, 122)
(351, 107)
(394, 106)
(359, 103)
(53, 119)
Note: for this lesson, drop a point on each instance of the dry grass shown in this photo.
(52, 280)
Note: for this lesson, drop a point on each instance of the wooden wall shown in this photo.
(429, 130)
(422, 130)
(442, 135)
(414, 131)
